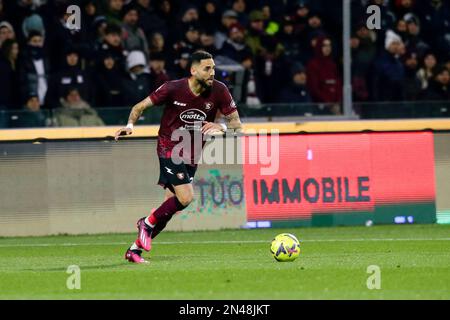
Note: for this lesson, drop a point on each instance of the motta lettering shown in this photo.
(192, 115)
(312, 190)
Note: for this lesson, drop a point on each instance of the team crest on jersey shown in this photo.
(180, 175)
(208, 105)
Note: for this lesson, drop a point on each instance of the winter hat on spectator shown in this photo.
(33, 22)
(411, 18)
(256, 15)
(98, 21)
(135, 58)
(6, 24)
(230, 14)
(391, 37)
(297, 68)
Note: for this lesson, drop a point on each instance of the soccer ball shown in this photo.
(285, 247)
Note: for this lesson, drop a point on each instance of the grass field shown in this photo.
(414, 262)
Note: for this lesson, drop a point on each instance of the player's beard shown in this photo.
(204, 84)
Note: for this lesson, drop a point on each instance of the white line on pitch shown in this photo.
(211, 242)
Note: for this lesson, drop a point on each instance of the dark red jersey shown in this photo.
(186, 111)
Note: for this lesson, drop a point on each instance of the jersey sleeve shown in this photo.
(161, 95)
(227, 104)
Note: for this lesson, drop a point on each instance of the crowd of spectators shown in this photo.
(291, 51)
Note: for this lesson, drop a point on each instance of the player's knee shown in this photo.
(186, 198)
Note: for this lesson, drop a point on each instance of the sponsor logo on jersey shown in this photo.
(191, 116)
(179, 103)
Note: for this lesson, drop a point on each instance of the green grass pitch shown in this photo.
(414, 261)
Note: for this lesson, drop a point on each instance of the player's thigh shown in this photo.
(184, 193)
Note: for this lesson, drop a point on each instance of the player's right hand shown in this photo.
(122, 132)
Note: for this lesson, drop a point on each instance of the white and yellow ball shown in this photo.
(285, 247)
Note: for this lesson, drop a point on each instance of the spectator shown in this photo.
(112, 45)
(413, 41)
(300, 18)
(411, 83)
(98, 31)
(189, 16)
(439, 86)
(31, 116)
(435, 16)
(133, 37)
(138, 83)
(296, 91)
(158, 69)
(75, 112)
(210, 15)
(149, 21)
(181, 65)
(314, 28)
(239, 6)
(70, 76)
(402, 29)
(229, 17)
(9, 77)
(425, 73)
(389, 72)
(6, 32)
(255, 32)
(165, 11)
(359, 84)
(34, 67)
(62, 37)
(207, 41)
(289, 41)
(191, 40)
(270, 69)
(324, 82)
(113, 11)
(251, 91)
(89, 13)
(235, 47)
(109, 84)
(158, 45)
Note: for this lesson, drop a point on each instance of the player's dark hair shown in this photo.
(198, 56)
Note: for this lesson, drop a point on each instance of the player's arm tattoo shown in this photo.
(233, 122)
(138, 108)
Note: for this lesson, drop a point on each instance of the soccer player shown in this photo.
(190, 104)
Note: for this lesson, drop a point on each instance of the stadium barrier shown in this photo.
(78, 180)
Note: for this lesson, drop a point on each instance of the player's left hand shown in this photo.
(211, 128)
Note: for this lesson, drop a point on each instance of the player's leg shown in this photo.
(177, 178)
(161, 225)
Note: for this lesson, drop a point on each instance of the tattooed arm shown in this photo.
(135, 114)
(234, 122)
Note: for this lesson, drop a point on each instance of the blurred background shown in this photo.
(287, 64)
(280, 59)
